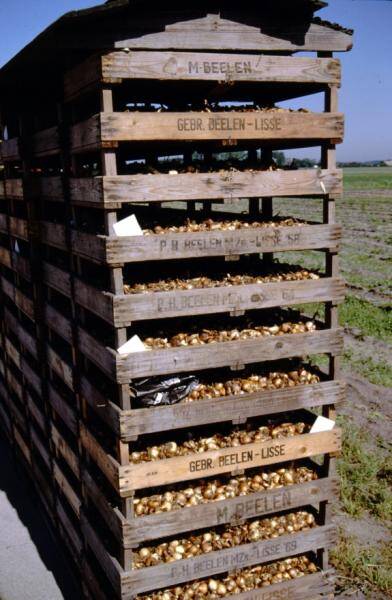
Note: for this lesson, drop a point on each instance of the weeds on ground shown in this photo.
(364, 568)
(372, 320)
(378, 373)
(366, 475)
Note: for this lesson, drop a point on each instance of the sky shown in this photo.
(366, 94)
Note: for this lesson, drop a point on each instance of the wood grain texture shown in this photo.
(56, 278)
(109, 128)
(22, 445)
(111, 191)
(9, 150)
(144, 529)
(60, 367)
(23, 302)
(216, 33)
(185, 468)
(70, 494)
(185, 359)
(219, 67)
(157, 305)
(11, 189)
(18, 228)
(63, 448)
(109, 412)
(53, 234)
(36, 412)
(46, 142)
(63, 410)
(143, 580)
(98, 302)
(37, 443)
(117, 250)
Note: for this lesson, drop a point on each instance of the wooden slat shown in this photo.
(16, 386)
(5, 257)
(212, 463)
(156, 305)
(31, 377)
(24, 338)
(46, 142)
(103, 357)
(111, 191)
(21, 265)
(22, 445)
(36, 412)
(143, 580)
(103, 407)
(58, 323)
(109, 466)
(12, 189)
(191, 126)
(166, 418)
(142, 529)
(40, 447)
(3, 223)
(67, 414)
(69, 529)
(66, 488)
(53, 235)
(5, 421)
(219, 67)
(117, 250)
(186, 359)
(60, 367)
(98, 302)
(50, 188)
(12, 352)
(18, 228)
(56, 278)
(64, 449)
(9, 150)
(216, 33)
(25, 304)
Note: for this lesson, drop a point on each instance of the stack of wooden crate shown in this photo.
(176, 125)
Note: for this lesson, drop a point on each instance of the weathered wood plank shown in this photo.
(219, 67)
(9, 150)
(143, 580)
(5, 421)
(5, 257)
(216, 33)
(100, 355)
(117, 250)
(142, 529)
(141, 421)
(40, 447)
(24, 338)
(98, 302)
(63, 448)
(111, 191)
(25, 304)
(12, 352)
(185, 359)
(108, 128)
(56, 278)
(3, 223)
(21, 265)
(156, 305)
(110, 467)
(22, 445)
(103, 407)
(46, 142)
(31, 377)
(112, 516)
(67, 414)
(70, 531)
(212, 463)
(12, 189)
(60, 367)
(58, 323)
(50, 188)
(53, 234)
(36, 412)
(19, 228)
(70, 494)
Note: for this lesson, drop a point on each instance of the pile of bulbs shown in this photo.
(194, 283)
(252, 384)
(210, 336)
(229, 537)
(245, 580)
(238, 437)
(211, 225)
(221, 489)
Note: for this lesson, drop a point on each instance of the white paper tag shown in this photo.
(135, 344)
(322, 424)
(127, 227)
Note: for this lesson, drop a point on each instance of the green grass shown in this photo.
(366, 568)
(365, 473)
(371, 178)
(372, 320)
(378, 373)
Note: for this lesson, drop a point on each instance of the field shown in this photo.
(364, 556)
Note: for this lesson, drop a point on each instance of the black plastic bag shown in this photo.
(160, 392)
